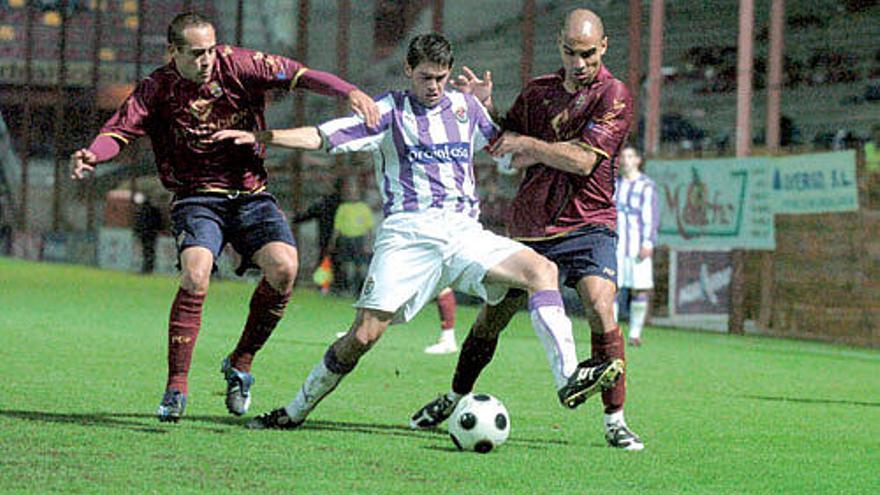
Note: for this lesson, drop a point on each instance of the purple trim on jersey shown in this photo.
(458, 170)
(629, 195)
(432, 170)
(410, 198)
(357, 131)
(545, 298)
(477, 120)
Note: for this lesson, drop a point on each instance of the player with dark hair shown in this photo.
(565, 130)
(219, 189)
(637, 221)
(430, 238)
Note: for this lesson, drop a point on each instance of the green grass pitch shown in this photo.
(82, 368)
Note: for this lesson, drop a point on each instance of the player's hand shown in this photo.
(238, 136)
(509, 142)
(82, 163)
(645, 252)
(470, 83)
(363, 105)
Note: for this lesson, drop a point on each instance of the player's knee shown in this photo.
(282, 274)
(196, 279)
(542, 273)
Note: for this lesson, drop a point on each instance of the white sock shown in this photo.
(616, 310)
(638, 310)
(614, 419)
(318, 384)
(447, 335)
(554, 331)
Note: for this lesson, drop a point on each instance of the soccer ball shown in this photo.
(479, 422)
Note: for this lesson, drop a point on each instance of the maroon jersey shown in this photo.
(179, 116)
(549, 201)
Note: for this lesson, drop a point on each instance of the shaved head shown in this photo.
(581, 24)
(582, 43)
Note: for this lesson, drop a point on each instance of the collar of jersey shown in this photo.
(420, 109)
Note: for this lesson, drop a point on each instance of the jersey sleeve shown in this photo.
(485, 130)
(515, 120)
(130, 120)
(609, 124)
(278, 72)
(650, 216)
(350, 134)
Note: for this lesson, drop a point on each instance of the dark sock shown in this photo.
(266, 309)
(608, 346)
(476, 353)
(183, 329)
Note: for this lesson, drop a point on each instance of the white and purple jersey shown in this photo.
(637, 214)
(423, 156)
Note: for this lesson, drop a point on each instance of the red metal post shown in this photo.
(655, 79)
(98, 31)
(58, 124)
(736, 319)
(774, 76)
(528, 41)
(437, 16)
(634, 70)
(239, 22)
(27, 109)
(299, 102)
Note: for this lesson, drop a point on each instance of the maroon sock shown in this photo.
(446, 306)
(607, 346)
(183, 329)
(476, 353)
(267, 308)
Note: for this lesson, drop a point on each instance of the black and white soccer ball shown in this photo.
(479, 423)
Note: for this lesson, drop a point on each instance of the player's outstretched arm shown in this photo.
(306, 138)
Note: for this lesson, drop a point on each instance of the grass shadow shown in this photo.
(802, 400)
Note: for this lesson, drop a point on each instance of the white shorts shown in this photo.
(635, 273)
(418, 254)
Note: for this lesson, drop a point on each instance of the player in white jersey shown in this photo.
(430, 239)
(638, 217)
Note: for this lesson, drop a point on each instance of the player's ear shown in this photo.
(407, 69)
(603, 45)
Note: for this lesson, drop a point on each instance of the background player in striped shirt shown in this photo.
(219, 189)
(430, 239)
(638, 217)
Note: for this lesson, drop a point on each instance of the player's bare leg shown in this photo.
(183, 328)
(598, 294)
(278, 261)
(638, 312)
(446, 307)
(340, 359)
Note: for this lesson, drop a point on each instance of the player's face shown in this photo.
(630, 161)
(428, 81)
(581, 57)
(195, 59)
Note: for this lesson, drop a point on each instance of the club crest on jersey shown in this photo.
(581, 99)
(215, 89)
(200, 109)
(461, 115)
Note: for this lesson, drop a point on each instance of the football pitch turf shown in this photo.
(83, 368)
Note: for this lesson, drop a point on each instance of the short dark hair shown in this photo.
(431, 47)
(183, 21)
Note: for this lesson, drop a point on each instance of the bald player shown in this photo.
(565, 131)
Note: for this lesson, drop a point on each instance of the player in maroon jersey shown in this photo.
(565, 130)
(219, 188)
